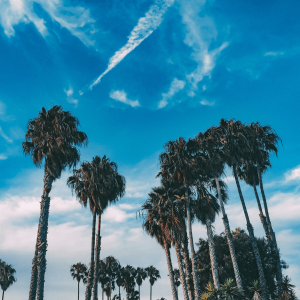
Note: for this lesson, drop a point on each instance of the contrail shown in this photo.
(145, 26)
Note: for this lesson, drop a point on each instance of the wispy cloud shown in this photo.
(122, 97)
(8, 139)
(200, 32)
(70, 98)
(145, 26)
(76, 19)
(272, 53)
(207, 103)
(175, 87)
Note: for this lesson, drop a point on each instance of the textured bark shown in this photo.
(42, 236)
(170, 269)
(212, 254)
(89, 282)
(34, 274)
(181, 272)
(188, 269)
(194, 268)
(272, 233)
(228, 233)
(262, 279)
(97, 258)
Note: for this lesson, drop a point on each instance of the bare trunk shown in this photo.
(194, 268)
(139, 292)
(212, 254)
(120, 292)
(34, 274)
(228, 233)
(262, 279)
(96, 263)
(150, 291)
(88, 291)
(78, 290)
(181, 272)
(188, 269)
(272, 233)
(3, 295)
(42, 236)
(170, 269)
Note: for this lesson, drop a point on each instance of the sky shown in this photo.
(137, 74)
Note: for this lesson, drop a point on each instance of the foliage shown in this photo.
(7, 277)
(79, 272)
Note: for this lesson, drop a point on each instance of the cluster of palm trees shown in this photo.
(192, 189)
(53, 137)
(111, 273)
(7, 276)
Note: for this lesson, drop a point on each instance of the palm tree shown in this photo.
(100, 182)
(102, 278)
(7, 277)
(236, 145)
(177, 278)
(79, 272)
(52, 136)
(179, 164)
(141, 275)
(206, 209)
(129, 274)
(119, 278)
(263, 140)
(153, 275)
(214, 152)
(287, 289)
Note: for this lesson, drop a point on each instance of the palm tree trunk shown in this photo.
(194, 268)
(261, 215)
(78, 289)
(42, 235)
(212, 254)
(150, 291)
(181, 272)
(3, 295)
(262, 279)
(139, 293)
(96, 263)
(170, 269)
(89, 282)
(187, 264)
(102, 293)
(272, 233)
(120, 292)
(228, 233)
(34, 273)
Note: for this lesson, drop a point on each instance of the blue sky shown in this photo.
(138, 74)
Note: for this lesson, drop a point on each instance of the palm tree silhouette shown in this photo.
(129, 274)
(7, 277)
(99, 182)
(153, 275)
(235, 144)
(179, 164)
(79, 272)
(52, 136)
(214, 153)
(141, 275)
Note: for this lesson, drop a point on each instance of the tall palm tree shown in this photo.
(7, 277)
(206, 209)
(210, 146)
(129, 274)
(79, 272)
(119, 277)
(100, 182)
(153, 275)
(263, 141)
(236, 145)
(52, 137)
(179, 164)
(141, 275)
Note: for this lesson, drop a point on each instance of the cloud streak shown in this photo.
(8, 139)
(145, 26)
(122, 97)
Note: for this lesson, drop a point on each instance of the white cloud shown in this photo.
(293, 174)
(3, 156)
(145, 26)
(206, 102)
(175, 87)
(70, 98)
(272, 53)
(122, 97)
(75, 19)
(200, 32)
(8, 139)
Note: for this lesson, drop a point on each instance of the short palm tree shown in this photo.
(141, 275)
(119, 278)
(79, 272)
(177, 278)
(236, 145)
(129, 274)
(179, 164)
(101, 184)
(53, 137)
(153, 275)
(7, 277)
